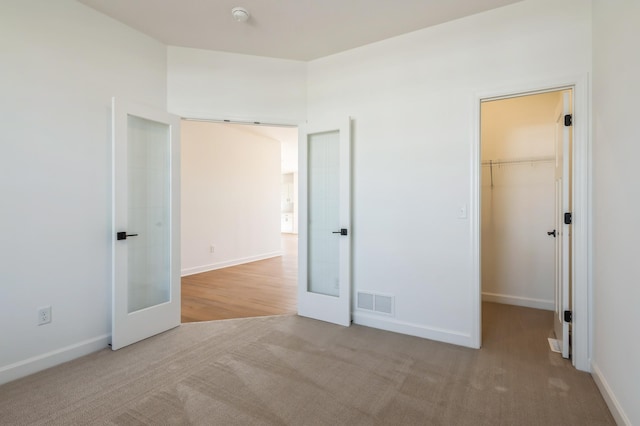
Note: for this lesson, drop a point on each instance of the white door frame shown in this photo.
(581, 244)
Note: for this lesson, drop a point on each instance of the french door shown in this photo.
(146, 238)
(324, 254)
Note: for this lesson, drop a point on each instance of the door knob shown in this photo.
(124, 235)
(343, 231)
(552, 233)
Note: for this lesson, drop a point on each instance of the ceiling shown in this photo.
(289, 29)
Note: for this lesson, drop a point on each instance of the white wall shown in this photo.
(412, 99)
(219, 85)
(61, 64)
(518, 210)
(616, 150)
(230, 196)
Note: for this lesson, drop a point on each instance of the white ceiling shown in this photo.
(289, 29)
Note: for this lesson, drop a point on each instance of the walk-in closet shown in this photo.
(517, 196)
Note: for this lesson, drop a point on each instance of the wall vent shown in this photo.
(365, 301)
(383, 304)
(380, 303)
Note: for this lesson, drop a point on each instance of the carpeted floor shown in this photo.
(287, 370)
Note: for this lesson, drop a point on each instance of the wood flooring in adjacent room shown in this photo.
(265, 287)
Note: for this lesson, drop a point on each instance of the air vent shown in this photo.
(383, 304)
(365, 301)
(380, 303)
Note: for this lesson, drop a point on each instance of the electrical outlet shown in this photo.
(44, 315)
(212, 248)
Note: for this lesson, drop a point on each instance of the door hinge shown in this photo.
(568, 218)
(568, 316)
(568, 120)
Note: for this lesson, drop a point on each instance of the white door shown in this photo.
(563, 229)
(324, 253)
(146, 235)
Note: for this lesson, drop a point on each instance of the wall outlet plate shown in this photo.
(44, 315)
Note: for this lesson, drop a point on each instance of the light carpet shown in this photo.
(288, 370)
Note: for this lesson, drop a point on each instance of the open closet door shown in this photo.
(563, 223)
(324, 254)
(146, 238)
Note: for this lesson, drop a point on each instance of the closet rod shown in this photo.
(492, 163)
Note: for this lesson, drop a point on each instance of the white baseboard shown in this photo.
(50, 359)
(527, 302)
(213, 266)
(612, 402)
(431, 333)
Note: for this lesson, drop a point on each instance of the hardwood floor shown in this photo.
(265, 287)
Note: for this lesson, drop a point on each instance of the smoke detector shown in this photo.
(240, 14)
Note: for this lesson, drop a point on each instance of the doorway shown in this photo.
(236, 262)
(521, 245)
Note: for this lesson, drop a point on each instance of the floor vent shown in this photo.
(554, 345)
(380, 303)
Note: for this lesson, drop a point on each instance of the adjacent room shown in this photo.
(239, 244)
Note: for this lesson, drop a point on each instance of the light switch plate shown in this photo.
(462, 212)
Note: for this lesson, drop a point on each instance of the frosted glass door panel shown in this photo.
(324, 213)
(324, 252)
(148, 213)
(146, 219)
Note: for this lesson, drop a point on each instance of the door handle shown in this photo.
(124, 235)
(552, 233)
(343, 231)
